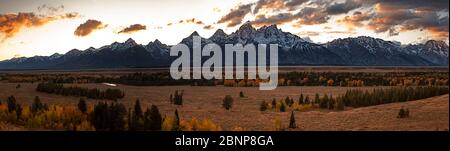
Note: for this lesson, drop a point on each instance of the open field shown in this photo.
(205, 102)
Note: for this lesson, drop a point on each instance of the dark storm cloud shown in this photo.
(380, 16)
(344, 7)
(294, 3)
(311, 16)
(394, 18)
(281, 18)
(236, 15)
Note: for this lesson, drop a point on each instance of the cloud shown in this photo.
(12, 23)
(88, 27)
(437, 26)
(355, 20)
(292, 4)
(269, 5)
(308, 33)
(380, 16)
(344, 7)
(187, 21)
(281, 18)
(208, 27)
(306, 16)
(50, 9)
(433, 5)
(394, 18)
(199, 23)
(312, 16)
(132, 28)
(236, 15)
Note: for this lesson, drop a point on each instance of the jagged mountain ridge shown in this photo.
(293, 50)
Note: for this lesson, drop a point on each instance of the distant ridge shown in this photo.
(293, 50)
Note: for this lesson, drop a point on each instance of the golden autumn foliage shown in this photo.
(278, 125)
(56, 117)
(301, 107)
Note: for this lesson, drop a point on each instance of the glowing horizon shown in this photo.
(53, 31)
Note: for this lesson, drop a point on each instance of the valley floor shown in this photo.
(205, 103)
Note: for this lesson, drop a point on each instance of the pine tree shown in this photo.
(300, 100)
(137, 117)
(82, 105)
(274, 103)
(117, 113)
(12, 105)
(307, 100)
(263, 106)
(19, 110)
(282, 107)
(37, 105)
(323, 103)
(227, 102)
(178, 98)
(292, 121)
(316, 99)
(176, 122)
(287, 101)
(152, 119)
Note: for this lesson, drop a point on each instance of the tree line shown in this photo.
(359, 98)
(94, 93)
(345, 79)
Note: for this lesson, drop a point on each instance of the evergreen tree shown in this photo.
(178, 98)
(274, 103)
(19, 110)
(316, 99)
(307, 100)
(227, 102)
(152, 119)
(292, 121)
(82, 105)
(301, 100)
(241, 94)
(176, 122)
(137, 117)
(263, 106)
(323, 103)
(287, 101)
(282, 107)
(117, 114)
(12, 105)
(37, 105)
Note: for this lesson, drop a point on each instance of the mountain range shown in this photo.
(293, 50)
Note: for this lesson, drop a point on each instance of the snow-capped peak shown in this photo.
(121, 46)
(219, 34)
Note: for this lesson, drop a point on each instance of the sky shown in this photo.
(45, 27)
